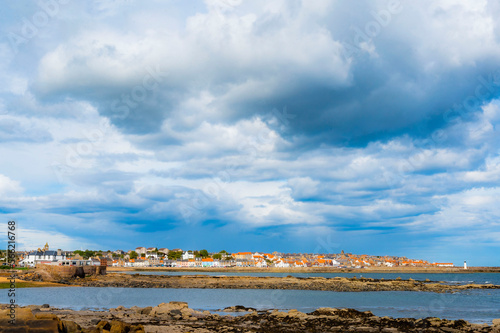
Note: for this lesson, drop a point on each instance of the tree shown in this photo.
(174, 255)
(217, 256)
(204, 253)
(85, 254)
(133, 255)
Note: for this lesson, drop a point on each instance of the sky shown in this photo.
(294, 126)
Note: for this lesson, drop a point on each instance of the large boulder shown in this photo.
(165, 309)
(293, 313)
(70, 327)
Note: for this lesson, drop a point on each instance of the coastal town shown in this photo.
(179, 258)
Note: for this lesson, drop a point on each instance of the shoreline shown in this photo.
(409, 270)
(177, 317)
(340, 284)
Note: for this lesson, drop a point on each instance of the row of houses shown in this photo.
(159, 257)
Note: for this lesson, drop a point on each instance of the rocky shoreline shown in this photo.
(341, 284)
(177, 317)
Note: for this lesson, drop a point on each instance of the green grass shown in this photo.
(6, 285)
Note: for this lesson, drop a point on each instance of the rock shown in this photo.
(450, 330)
(24, 314)
(389, 330)
(165, 308)
(278, 314)
(70, 327)
(103, 324)
(119, 327)
(42, 325)
(146, 310)
(296, 314)
(496, 322)
(325, 312)
(367, 329)
(238, 308)
(95, 321)
(42, 315)
(120, 308)
(45, 306)
(186, 313)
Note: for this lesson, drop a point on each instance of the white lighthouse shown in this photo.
(465, 264)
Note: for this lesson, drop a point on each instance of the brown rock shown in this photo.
(70, 327)
(103, 324)
(24, 314)
(146, 310)
(186, 313)
(119, 327)
(43, 325)
(325, 312)
(42, 315)
(496, 322)
(367, 329)
(293, 313)
(165, 308)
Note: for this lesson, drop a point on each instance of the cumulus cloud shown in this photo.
(9, 187)
(255, 123)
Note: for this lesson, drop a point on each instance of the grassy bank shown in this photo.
(5, 284)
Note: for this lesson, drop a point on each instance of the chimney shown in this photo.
(59, 251)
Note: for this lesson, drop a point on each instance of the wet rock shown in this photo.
(238, 308)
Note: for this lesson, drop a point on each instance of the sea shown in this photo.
(477, 306)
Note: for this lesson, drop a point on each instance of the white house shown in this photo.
(187, 256)
(42, 257)
(281, 263)
(151, 252)
(141, 263)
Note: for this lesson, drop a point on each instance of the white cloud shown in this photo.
(9, 187)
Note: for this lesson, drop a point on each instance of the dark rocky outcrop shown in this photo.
(178, 317)
(249, 282)
(27, 322)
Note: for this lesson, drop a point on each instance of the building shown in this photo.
(443, 264)
(243, 255)
(163, 250)
(34, 258)
(141, 250)
(187, 255)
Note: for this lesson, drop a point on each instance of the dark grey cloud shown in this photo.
(400, 79)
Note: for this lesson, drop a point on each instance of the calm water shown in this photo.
(461, 278)
(477, 305)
